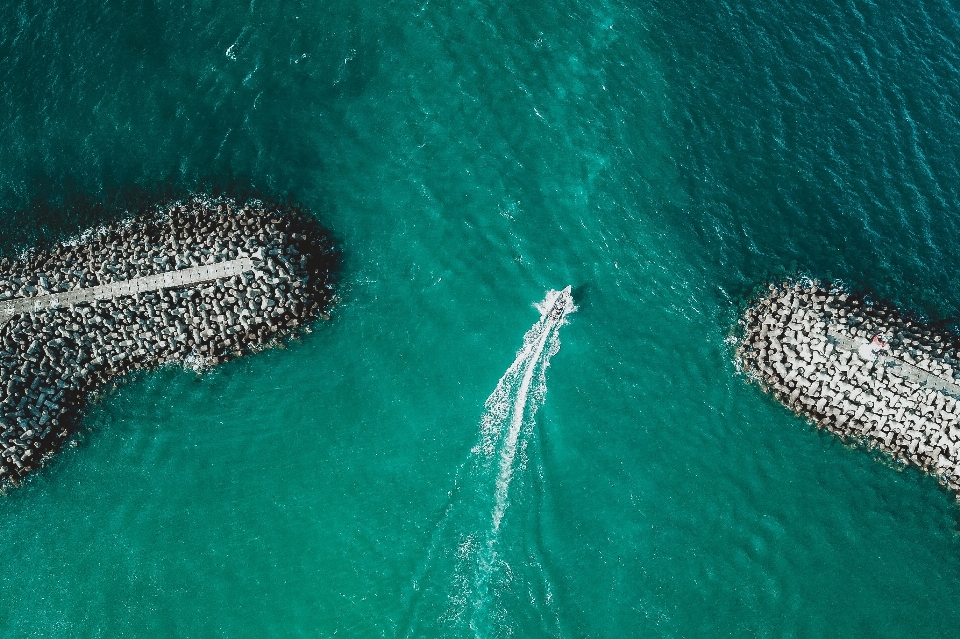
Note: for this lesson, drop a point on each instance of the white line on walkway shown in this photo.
(900, 368)
(146, 284)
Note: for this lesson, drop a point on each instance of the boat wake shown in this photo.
(470, 584)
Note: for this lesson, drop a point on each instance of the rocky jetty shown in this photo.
(196, 282)
(863, 370)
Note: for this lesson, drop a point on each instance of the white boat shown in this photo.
(562, 304)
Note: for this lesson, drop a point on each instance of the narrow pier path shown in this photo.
(146, 284)
(899, 367)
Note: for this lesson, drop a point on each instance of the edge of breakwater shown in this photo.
(196, 282)
(864, 370)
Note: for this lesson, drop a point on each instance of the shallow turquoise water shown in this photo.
(664, 158)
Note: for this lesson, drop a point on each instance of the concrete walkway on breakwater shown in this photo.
(898, 367)
(146, 284)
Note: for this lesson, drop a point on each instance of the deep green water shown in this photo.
(663, 157)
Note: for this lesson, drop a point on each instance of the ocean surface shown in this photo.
(431, 462)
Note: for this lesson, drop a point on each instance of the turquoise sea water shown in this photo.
(663, 157)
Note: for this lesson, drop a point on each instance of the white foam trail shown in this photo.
(466, 538)
(529, 360)
(517, 416)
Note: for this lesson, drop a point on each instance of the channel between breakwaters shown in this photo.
(863, 370)
(196, 282)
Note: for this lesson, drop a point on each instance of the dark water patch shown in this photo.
(819, 137)
(163, 94)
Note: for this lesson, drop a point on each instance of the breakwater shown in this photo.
(197, 282)
(864, 370)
